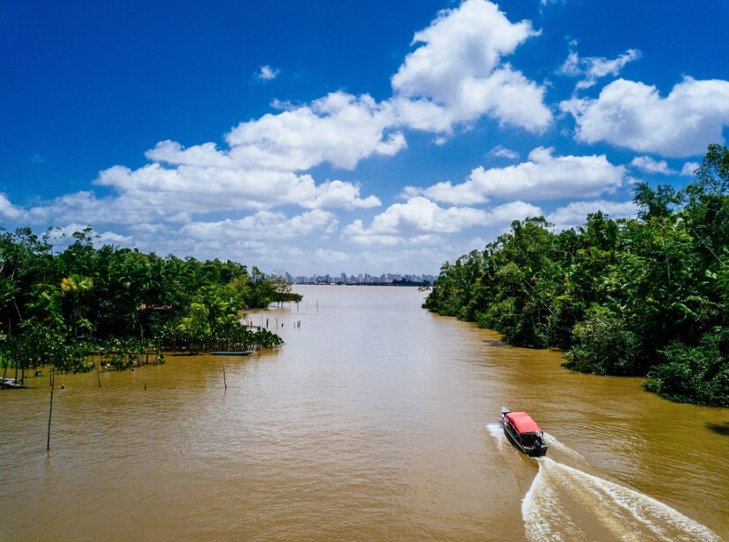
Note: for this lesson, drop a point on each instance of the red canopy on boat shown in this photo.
(523, 422)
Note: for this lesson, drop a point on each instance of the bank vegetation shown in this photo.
(119, 303)
(647, 296)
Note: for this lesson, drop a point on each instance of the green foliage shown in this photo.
(58, 307)
(624, 297)
(698, 374)
(39, 344)
(121, 355)
(195, 325)
(605, 343)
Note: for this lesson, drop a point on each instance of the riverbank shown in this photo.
(644, 296)
(647, 296)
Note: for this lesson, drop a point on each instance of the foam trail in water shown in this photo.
(565, 503)
(498, 433)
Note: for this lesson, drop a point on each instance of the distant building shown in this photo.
(362, 278)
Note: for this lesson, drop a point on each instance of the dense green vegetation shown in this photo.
(119, 303)
(646, 296)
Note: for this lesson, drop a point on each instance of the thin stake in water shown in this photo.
(50, 412)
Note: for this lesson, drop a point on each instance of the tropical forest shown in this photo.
(647, 296)
(58, 308)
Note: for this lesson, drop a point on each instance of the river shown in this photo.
(375, 421)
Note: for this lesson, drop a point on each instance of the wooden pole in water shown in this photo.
(225, 381)
(98, 377)
(145, 385)
(50, 412)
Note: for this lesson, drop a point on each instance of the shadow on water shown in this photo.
(720, 428)
(497, 344)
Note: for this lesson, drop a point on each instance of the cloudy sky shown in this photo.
(334, 136)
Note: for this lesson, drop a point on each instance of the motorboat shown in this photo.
(524, 431)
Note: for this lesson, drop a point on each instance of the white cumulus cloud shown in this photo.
(543, 177)
(635, 116)
(8, 211)
(457, 73)
(204, 189)
(262, 225)
(508, 212)
(340, 128)
(112, 238)
(592, 68)
(575, 213)
(421, 221)
(340, 195)
(651, 165)
(689, 168)
(267, 73)
(502, 152)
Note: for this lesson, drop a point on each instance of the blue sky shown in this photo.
(337, 136)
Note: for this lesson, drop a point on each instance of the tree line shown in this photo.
(647, 296)
(57, 308)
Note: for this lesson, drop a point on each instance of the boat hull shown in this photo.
(530, 451)
(11, 384)
(513, 434)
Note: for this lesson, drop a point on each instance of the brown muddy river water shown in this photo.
(376, 421)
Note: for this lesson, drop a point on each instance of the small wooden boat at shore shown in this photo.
(242, 353)
(11, 383)
(524, 431)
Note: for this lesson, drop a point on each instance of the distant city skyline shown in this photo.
(359, 278)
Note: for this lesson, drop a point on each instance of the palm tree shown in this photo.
(45, 304)
(75, 286)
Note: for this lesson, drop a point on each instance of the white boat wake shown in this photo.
(567, 504)
(498, 433)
